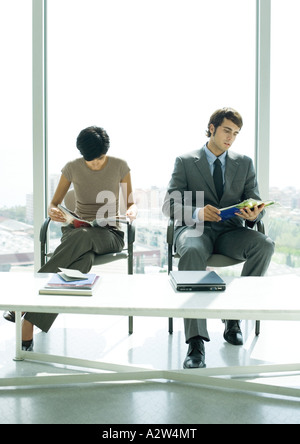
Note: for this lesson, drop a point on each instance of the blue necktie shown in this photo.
(218, 178)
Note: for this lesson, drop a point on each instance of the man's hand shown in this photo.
(209, 214)
(250, 214)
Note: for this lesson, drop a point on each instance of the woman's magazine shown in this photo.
(77, 221)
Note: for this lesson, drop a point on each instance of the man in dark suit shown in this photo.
(199, 231)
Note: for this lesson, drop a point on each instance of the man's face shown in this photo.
(223, 137)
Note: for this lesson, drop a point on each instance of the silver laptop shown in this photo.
(197, 281)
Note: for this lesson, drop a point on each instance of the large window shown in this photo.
(150, 72)
(284, 221)
(16, 212)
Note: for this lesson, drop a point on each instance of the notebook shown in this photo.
(197, 281)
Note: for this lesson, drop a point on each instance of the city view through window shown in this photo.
(152, 107)
(16, 234)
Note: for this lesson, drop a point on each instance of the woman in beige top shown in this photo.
(97, 179)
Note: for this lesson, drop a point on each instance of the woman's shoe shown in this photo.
(10, 316)
(27, 345)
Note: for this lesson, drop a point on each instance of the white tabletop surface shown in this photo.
(261, 298)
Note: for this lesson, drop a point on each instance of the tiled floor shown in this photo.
(105, 338)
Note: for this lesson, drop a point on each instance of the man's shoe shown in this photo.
(232, 333)
(195, 357)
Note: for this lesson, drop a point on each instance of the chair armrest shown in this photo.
(260, 227)
(130, 241)
(130, 233)
(170, 240)
(44, 229)
(130, 230)
(170, 231)
(43, 239)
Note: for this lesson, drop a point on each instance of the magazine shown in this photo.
(229, 212)
(61, 284)
(68, 274)
(77, 221)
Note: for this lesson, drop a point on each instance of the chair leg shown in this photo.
(171, 326)
(257, 328)
(130, 325)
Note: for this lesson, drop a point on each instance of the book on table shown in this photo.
(70, 282)
(229, 212)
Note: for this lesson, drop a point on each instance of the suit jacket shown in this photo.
(192, 174)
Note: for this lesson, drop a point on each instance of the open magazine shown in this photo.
(229, 212)
(77, 221)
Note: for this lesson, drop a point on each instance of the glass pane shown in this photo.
(151, 73)
(16, 212)
(285, 155)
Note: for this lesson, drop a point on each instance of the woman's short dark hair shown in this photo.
(92, 142)
(225, 113)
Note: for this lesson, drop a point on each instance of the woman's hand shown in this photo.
(132, 212)
(60, 192)
(56, 214)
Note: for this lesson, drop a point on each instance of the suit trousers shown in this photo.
(77, 251)
(245, 244)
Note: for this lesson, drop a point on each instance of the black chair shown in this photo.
(100, 259)
(215, 260)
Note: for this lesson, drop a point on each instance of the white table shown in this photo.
(254, 298)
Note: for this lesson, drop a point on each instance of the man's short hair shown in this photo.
(225, 113)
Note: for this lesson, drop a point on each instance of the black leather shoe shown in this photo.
(27, 346)
(9, 316)
(232, 333)
(195, 357)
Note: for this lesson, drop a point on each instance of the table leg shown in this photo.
(18, 317)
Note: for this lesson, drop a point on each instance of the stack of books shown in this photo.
(70, 282)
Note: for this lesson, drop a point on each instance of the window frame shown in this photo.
(262, 117)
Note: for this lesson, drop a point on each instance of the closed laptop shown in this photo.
(197, 281)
